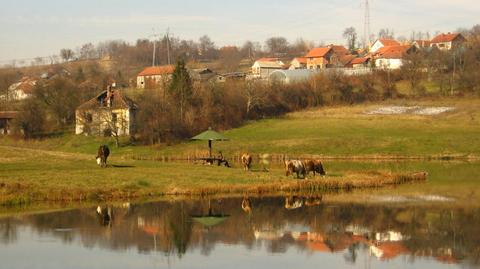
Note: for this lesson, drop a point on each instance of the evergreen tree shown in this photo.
(180, 89)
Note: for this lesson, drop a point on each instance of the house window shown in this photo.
(88, 118)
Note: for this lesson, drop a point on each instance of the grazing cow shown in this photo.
(295, 166)
(314, 166)
(246, 161)
(102, 155)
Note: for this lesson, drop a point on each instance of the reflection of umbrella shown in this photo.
(210, 219)
(210, 135)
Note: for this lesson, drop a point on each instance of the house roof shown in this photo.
(346, 59)
(338, 49)
(449, 37)
(266, 59)
(8, 114)
(157, 70)
(389, 42)
(393, 52)
(360, 60)
(268, 64)
(318, 52)
(26, 84)
(119, 102)
(302, 60)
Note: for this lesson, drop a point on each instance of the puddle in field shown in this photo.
(291, 232)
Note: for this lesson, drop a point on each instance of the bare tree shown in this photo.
(351, 35)
(66, 54)
(277, 45)
(386, 33)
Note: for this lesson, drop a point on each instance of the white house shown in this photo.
(391, 57)
(263, 67)
(155, 77)
(447, 41)
(380, 43)
(22, 89)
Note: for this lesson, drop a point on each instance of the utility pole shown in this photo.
(168, 46)
(154, 35)
(453, 73)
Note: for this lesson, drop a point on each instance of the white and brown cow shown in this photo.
(102, 155)
(295, 166)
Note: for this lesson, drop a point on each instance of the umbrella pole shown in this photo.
(210, 148)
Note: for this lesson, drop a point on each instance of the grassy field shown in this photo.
(63, 167)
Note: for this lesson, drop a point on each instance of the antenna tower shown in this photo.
(366, 26)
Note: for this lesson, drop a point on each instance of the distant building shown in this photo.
(391, 57)
(382, 42)
(319, 58)
(263, 67)
(201, 74)
(421, 44)
(298, 63)
(447, 41)
(361, 62)
(22, 89)
(107, 113)
(6, 118)
(155, 77)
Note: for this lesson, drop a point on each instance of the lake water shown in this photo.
(274, 232)
(435, 224)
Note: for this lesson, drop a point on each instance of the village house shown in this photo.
(155, 77)
(382, 42)
(360, 62)
(391, 57)
(298, 63)
(421, 44)
(109, 113)
(263, 67)
(6, 118)
(319, 58)
(22, 89)
(447, 41)
(329, 56)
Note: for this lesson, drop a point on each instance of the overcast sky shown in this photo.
(30, 28)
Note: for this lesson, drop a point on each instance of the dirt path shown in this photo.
(59, 154)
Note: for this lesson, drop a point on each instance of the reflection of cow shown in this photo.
(295, 166)
(314, 166)
(102, 155)
(246, 161)
(105, 215)
(247, 205)
(293, 202)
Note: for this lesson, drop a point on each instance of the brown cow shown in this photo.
(246, 161)
(102, 155)
(314, 166)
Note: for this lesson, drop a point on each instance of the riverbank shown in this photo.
(30, 176)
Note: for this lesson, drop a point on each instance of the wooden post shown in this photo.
(210, 148)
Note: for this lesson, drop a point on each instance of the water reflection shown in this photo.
(294, 227)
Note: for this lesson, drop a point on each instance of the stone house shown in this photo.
(108, 114)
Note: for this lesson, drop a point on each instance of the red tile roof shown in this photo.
(301, 60)
(389, 42)
(339, 50)
(157, 70)
(393, 52)
(318, 52)
(445, 38)
(8, 114)
(359, 60)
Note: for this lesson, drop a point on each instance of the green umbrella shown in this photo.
(210, 135)
(210, 219)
